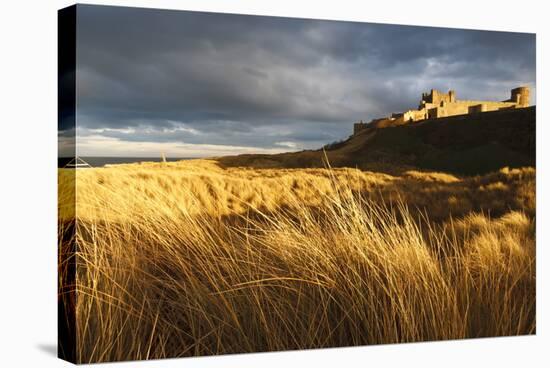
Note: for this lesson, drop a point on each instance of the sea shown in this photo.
(102, 161)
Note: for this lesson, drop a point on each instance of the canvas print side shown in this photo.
(66, 85)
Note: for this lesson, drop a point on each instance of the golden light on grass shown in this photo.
(187, 258)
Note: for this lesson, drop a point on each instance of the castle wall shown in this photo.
(415, 115)
(357, 127)
(437, 104)
(468, 106)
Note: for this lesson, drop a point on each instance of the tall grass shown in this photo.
(189, 259)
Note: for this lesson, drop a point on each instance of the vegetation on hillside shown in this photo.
(471, 144)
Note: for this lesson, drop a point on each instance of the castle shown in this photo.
(437, 104)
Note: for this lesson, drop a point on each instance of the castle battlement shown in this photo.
(436, 104)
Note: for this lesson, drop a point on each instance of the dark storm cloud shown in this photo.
(249, 80)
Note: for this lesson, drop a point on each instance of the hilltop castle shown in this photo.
(437, 104)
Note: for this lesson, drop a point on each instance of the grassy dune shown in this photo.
(188, 258)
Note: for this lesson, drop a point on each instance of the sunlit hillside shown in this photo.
(190, 258)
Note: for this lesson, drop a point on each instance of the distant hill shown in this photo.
(465, 144)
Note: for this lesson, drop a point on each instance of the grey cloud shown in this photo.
(304, 134)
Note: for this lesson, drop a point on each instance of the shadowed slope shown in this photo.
(465, 144)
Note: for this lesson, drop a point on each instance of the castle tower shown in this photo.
(452, 96)
(520, 95)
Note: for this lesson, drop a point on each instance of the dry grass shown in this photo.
(187, 258)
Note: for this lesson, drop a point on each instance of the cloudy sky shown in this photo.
(193, 84)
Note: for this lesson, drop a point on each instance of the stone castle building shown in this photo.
(436, 104)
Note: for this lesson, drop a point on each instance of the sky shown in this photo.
(192, 84)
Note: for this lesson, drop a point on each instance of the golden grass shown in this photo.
(186, 258)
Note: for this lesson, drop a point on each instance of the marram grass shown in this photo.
(186, 259)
